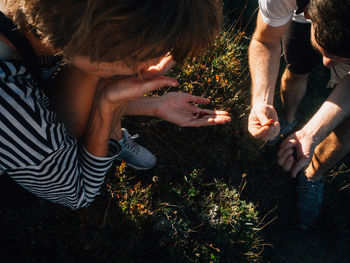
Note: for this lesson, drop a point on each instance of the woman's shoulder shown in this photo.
(15, 74)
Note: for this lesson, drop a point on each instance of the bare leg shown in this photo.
(293, 87)
(330, 151)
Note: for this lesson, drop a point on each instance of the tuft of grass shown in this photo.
(134, 200)
(207, 222)
(219, 74)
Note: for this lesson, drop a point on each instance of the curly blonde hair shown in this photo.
(127, 30)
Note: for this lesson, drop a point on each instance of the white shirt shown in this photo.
(278, 12)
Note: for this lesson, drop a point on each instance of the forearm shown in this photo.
(97, 134)
(332, 112)
(264, 60)
(145, 106)
(101, 127)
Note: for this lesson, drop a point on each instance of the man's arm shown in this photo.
(264, 59)
(332, 112)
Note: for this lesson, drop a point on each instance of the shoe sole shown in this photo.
(139, 168)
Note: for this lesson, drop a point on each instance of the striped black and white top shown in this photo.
(36, 150)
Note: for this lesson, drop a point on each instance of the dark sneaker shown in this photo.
(285, 129)
(133, 154)
(310, 200)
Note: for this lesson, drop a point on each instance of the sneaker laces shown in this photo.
(130, 144)
(310, 192)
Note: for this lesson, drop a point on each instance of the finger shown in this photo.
(209, 120)
(221, 113)
(219, 120)
(262, 118)
(270, 122)
(288, 164)
(253, 126)
(198, 100)
(157, 83)
(285, 145)
(274, 131)
(282, 157)
(160, 69)
(203, 112)
(259, 132)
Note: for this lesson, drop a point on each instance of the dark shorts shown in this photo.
(298, 52)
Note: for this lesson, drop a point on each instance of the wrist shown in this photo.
(151, 106)
(262, 100)
(312, 134)
(261, 106)
(146, 106)
(100, 128)
(323, 122)
(105, 108)
(157, 108)
(97, 133)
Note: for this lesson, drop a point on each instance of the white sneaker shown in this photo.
(133, 154)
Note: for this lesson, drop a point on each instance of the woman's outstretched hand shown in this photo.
(181, 109)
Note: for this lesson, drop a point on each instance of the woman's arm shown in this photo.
(178, 108)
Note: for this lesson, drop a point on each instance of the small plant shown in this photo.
(135, 201)
(213, 225)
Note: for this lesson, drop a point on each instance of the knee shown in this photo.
(342, 132)
(289, 76)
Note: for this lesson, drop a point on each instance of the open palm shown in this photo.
(180, 108)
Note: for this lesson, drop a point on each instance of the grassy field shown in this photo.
(215, 195)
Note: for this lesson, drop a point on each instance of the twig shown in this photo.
(266, 215)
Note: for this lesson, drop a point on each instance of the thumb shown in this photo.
(163, 67)
(158, 83)
(298, 167)
(262, 118)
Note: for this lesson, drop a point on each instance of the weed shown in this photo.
(134, 200)
(213, 225)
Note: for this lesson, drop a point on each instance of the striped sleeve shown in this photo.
(36, 150)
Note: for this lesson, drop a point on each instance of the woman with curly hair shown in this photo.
(60, 136)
